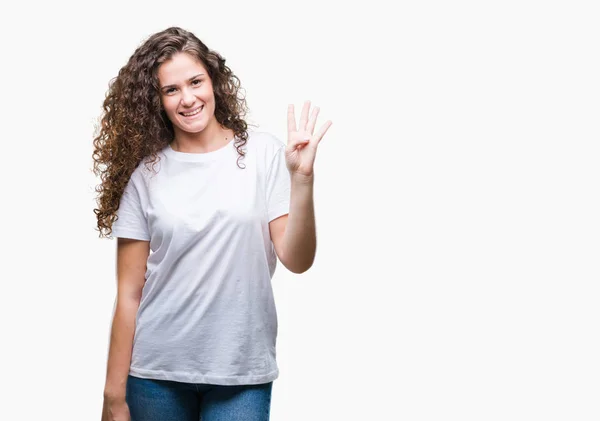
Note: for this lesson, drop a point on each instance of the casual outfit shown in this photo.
(207, 313)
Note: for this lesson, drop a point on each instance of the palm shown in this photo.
(302, 143)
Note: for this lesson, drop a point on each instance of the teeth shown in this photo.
(193, 113)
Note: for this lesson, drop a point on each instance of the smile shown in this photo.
(193, 113)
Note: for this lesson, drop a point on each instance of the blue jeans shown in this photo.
(165, 400)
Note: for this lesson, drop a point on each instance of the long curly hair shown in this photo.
(133, 125)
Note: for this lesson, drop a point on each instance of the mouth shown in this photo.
(193, 113)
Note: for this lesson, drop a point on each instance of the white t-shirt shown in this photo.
(207, 312)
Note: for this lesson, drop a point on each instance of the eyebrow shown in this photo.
(189, 80)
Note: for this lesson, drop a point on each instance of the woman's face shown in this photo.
(186, 93)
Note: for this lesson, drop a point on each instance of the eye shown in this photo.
(196, 80)
(168, 91)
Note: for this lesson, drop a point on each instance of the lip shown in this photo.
(195, 115)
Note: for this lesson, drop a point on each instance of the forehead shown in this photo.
(179, 68)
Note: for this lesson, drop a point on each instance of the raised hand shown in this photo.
(302, 142)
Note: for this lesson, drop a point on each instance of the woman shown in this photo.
(202, 209)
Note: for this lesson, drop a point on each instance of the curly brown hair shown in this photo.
(134, 126)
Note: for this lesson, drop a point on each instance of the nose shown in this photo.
(187, 97)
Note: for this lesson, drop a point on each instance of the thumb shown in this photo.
(300, 140)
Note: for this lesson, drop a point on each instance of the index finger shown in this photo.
(291, 118)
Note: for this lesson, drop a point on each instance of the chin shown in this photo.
(192, 128)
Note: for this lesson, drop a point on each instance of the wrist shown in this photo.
(114, 393)
(303, 179)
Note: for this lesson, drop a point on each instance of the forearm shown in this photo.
(299, 239)
(121, 345)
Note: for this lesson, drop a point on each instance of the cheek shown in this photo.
(208, 94)
(170, 106)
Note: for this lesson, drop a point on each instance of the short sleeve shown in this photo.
(131, 219)
(278, 186)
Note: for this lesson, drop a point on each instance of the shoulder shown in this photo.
(265, 146)
(146, 170)
(265, 141)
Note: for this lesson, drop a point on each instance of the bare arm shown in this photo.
(131, 268)
(294, 235)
